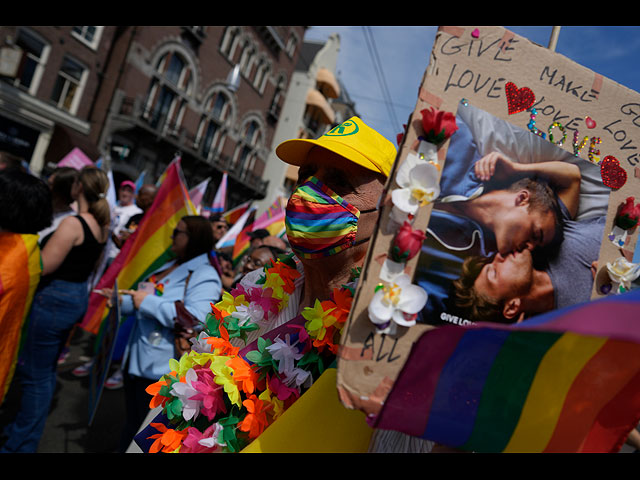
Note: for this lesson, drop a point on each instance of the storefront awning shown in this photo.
(316, 99)
(329, 83)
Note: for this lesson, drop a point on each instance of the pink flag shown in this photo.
(76, 159)
(220, 200)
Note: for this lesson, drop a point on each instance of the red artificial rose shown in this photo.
(628, 214)
(400, 136)
(407, 243)
(438, 125)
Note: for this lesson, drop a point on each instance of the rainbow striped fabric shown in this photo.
(319, 222)
(233, 215)
(566, 381)
(149, 246)
(20, 269)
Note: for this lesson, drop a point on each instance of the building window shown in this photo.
(246, 60)
(247, 152)
(69, 85)
(34, 58)
(212, 126)
(292, 43)
(167, 98)
(262, 73)
(230, 42)
(90, 36)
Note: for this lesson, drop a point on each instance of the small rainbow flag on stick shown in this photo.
(566, 381)
(20, 271)
(148, 247)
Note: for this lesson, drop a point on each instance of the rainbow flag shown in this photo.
(148, 247)
(565, 381)
(20, 269)
(242, 244)
(229, 238)
(220, 200)
(233, 215)
(272, 219)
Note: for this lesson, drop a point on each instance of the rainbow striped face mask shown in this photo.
(320, 222)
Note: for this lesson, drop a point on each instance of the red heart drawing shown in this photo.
(518, 99)
(613, 175)
(590, 122)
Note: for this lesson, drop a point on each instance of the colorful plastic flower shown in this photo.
(244, 374)
(285, 353)
(168, 440)
(184, 391)
(281, 390)
(202, 442)
(255, 421)
(396, 304)
(209, 394)
(438, 125)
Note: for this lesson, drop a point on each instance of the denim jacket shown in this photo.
(151, 342)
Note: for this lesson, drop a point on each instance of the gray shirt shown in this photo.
(570, 268)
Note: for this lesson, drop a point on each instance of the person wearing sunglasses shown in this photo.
(189, 276)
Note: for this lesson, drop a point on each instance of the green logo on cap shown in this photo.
(345, 128)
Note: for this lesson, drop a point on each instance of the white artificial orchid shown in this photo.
(418, 182)
(397, 304)
(623, 272)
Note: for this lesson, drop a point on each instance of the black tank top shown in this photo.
(81, 259)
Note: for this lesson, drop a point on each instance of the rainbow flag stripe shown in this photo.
(233, 215)
(566, 381)
(20, 271)
(148, 248)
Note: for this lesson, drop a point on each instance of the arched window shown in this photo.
(230, 42)
(213, 125)
(247, 60)
(247, 151)
(262, 74)
(168, 93)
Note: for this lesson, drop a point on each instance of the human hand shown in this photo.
(137, 296)
(495, 166)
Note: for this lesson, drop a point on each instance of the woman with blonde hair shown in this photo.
(69, 254)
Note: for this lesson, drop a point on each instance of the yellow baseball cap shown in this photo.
(352, 139)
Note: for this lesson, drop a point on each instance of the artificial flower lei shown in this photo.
(218, 400)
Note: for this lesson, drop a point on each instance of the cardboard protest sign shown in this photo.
(522, 112)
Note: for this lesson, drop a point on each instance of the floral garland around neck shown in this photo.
(217, 400)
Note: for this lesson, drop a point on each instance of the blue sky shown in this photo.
(403, 52)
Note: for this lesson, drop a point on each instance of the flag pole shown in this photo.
(553, 41)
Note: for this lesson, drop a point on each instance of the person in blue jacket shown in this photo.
(189, 277)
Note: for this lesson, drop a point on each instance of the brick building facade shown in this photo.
(142, 94)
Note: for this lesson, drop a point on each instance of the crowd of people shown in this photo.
(330, 218)
(79, 235)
